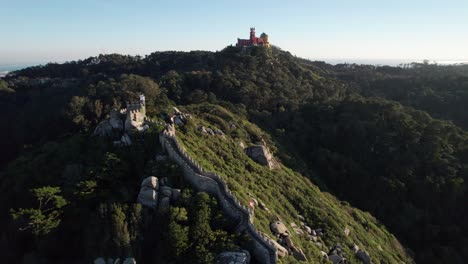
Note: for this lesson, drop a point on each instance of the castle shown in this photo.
(135, 114)
(254, 41)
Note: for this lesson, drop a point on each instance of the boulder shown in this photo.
(202, 129)
(312, 232)
(129, 261)
(278, 228)
(324, 254)
(218, 132)
(300, 217)
(336, 259)
(308, 229)
(363, 256)
(280, 250)
(150, 182)
(242, 257)
(99, 261)
(262, 155)
(148, 197)
(117, 261)
(298, 231)
(293, 225)
(355, 248)
(165, 191)
(346, 231)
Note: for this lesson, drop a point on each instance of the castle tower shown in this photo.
(142, 99)
(253, 38)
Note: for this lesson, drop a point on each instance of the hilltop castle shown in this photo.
(253, 40)
(135, 114)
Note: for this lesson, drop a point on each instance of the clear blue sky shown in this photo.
(37, 31)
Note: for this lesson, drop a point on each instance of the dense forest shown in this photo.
(389, 140)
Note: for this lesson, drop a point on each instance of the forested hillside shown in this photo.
(388, 140)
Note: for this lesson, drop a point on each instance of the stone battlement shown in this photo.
(262, 248)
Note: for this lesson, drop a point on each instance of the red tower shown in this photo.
(253, 38)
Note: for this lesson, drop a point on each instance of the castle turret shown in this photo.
(253, 38)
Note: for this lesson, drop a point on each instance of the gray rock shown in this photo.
(308, 229)
(165, 191)
(346, 231)
(129, 261)
(218, 132)
(150, 182)
(280, 250)
(336, 259)
(148, 197)
(363, 256)
(262, 155)
(99, 261)
(300, 217)
(355, 248)
(278, 228)
(242, 257)
(312, 232)
(104, 128)
(324, 254)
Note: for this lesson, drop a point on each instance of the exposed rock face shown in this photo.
(150, 182)
(242, 257)
(148, 197)
(262, 155)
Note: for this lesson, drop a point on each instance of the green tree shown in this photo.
(43, 219)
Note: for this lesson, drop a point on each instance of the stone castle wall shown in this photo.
(213, 184)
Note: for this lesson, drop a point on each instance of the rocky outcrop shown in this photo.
(148, 195)
(155, 194)
(262, 155)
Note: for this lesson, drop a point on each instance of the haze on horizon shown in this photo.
(39, 32)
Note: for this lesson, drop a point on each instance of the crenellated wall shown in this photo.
(213, 184)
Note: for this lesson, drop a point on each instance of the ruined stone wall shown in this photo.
(213, 184)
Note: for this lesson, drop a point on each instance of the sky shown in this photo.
(34, 32)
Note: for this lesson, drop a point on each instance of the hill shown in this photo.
(367, 135)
